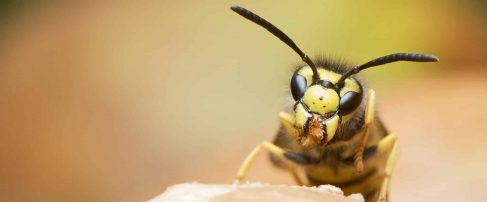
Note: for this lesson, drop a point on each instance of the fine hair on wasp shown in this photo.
(332, 136)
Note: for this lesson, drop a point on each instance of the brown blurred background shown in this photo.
(117, 101)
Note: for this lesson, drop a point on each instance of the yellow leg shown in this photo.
(296, 177)
(369, 119)
(279, 152)
(388, 148)
(287, 120)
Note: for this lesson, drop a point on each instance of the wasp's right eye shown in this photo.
(349, 102)
(298, 86)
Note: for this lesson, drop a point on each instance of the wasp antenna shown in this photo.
(396, 57)
(278, 33)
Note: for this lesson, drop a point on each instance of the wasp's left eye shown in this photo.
(298, 86)
(349, 102)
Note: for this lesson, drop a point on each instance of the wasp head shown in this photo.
(322, 105)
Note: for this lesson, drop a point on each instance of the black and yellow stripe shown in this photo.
(335, 164)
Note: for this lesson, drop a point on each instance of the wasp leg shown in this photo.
(369, 119)
(296, 177)
(275, 150)
(287, 120)
(388, 148)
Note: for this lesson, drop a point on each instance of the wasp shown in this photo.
(332, 132)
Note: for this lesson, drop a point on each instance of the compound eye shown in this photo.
(349, 102)
(298, 86)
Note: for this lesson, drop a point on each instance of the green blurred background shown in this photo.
(117, 101)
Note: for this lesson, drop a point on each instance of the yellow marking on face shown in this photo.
(307, 73)
(321, 100)
(301, 116)
(331, 127)
(350, 85)
(324, 74)
(329, 75)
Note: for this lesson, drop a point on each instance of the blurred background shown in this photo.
(117, 101)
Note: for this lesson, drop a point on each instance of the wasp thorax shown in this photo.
(321, 100)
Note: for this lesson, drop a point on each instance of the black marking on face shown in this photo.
(349, 102)
(298, 86)
(326, 84)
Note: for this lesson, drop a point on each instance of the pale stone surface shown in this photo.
(196, 192)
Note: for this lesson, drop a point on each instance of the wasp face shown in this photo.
(321, 106)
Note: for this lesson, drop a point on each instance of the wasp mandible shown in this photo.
(332, 133)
